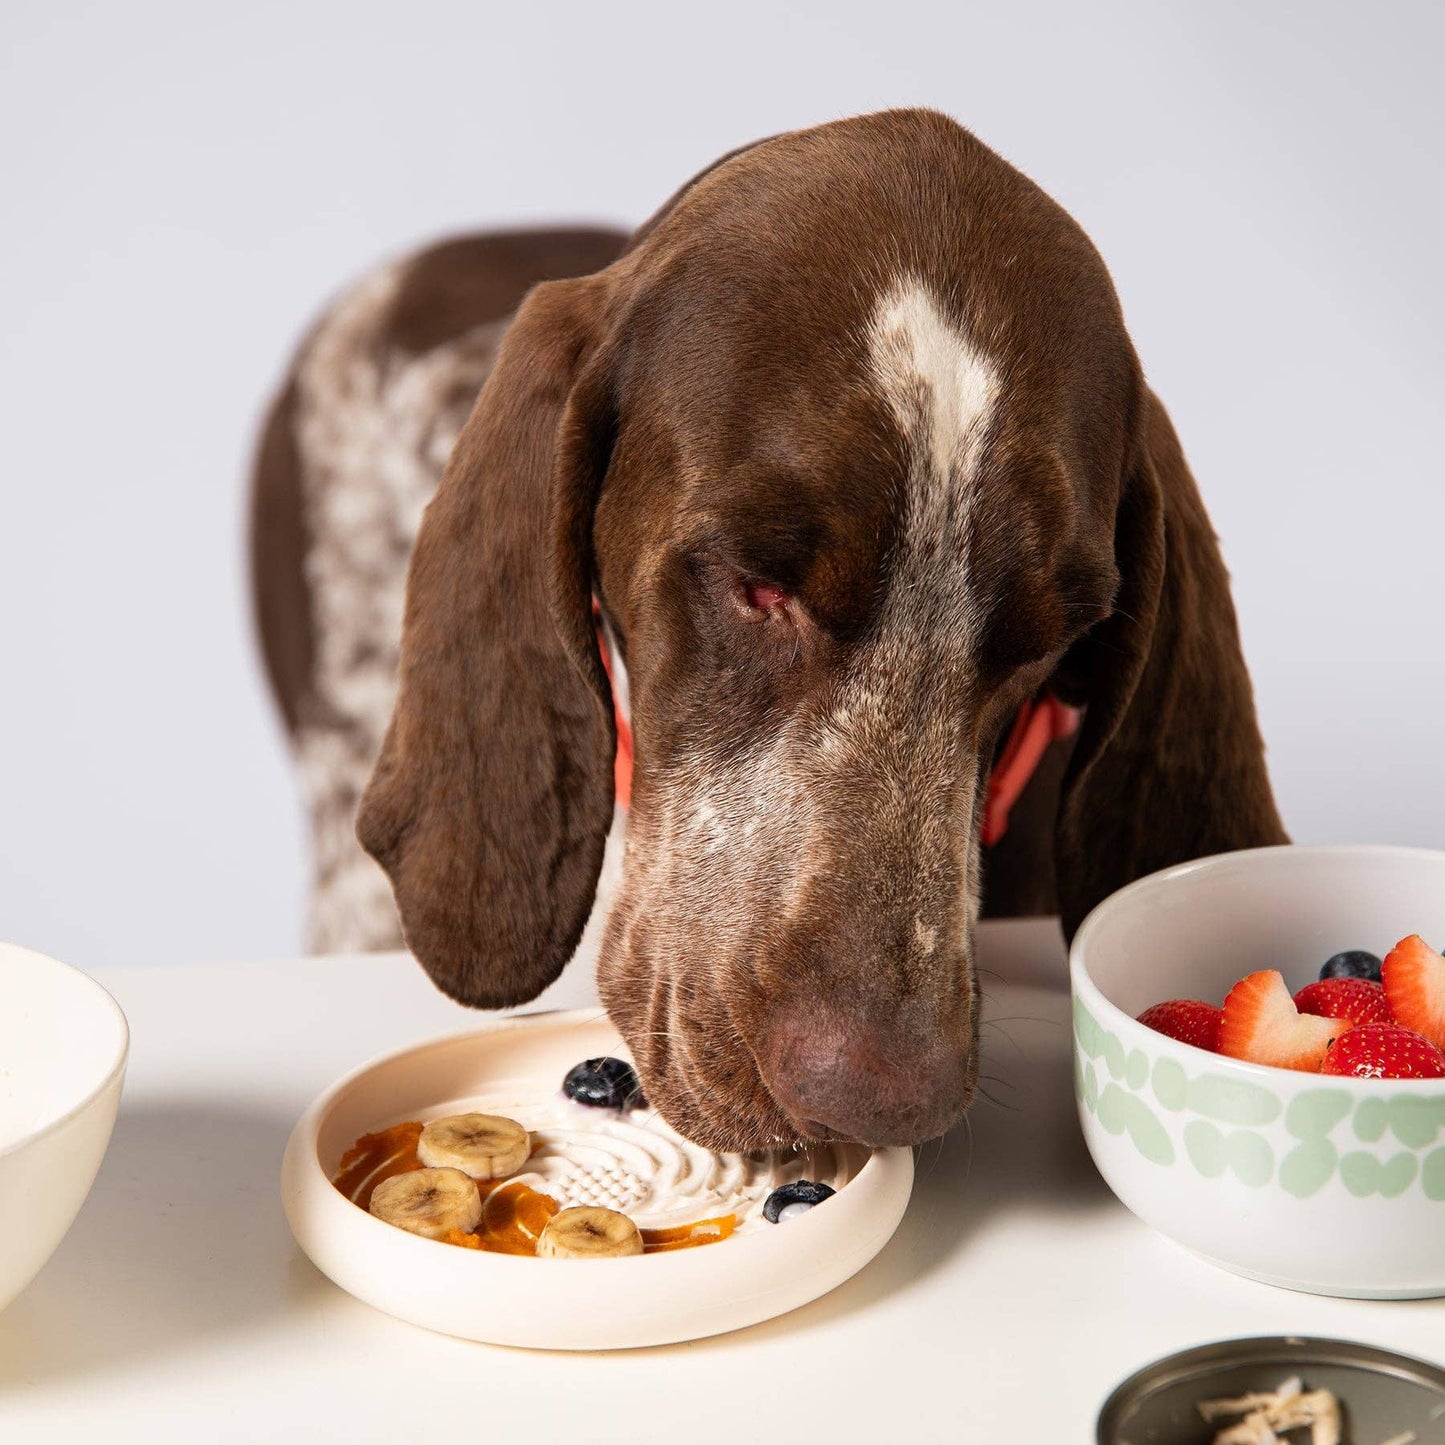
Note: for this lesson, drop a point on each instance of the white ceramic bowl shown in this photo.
(1331, 1185)
(557, 1304)
(63, 1044)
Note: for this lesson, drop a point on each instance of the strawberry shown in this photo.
(1414, 978)
(1355, 999)
(1262, 1025)
(1384, 1051)
(1185, 1019)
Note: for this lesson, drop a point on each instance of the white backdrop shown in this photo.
(184, 183)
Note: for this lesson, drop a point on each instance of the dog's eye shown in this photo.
(748, 596)
(763, 596)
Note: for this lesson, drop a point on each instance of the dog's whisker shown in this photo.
(1008, 1038)
(997, 1103)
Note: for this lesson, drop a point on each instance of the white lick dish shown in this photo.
(598, 1304)
(1330, 1185)
(63, 1046)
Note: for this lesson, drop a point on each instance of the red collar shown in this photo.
(1039, 722)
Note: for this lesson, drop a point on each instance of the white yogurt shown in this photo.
(636, 1163)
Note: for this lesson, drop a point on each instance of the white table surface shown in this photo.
(1015, 1294)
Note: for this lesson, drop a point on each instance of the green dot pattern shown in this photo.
(1306, 1169)
(1122, 1112)
(1432, 1175)
(1314, 1114)
(1222, 1116)
(1370, 1120)
(1171, 1087)
(1205, 1147)
(1364, 1174)
(1232, 1101)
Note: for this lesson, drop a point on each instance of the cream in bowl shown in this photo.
(63, 1044)
(1250, 1166)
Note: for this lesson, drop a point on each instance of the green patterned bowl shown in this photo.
(1336, 1186)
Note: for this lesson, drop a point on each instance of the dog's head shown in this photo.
(854, 449)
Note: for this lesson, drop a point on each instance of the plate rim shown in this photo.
(889, 1173)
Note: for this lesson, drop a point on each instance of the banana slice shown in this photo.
(588, 1233)
(429, 1202)
(486, 1146)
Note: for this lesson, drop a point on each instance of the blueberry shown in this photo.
(604, 1084)
(790, 1199)
(1353, 963)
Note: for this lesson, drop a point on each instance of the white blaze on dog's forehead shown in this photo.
(941, 390)
(932, 376)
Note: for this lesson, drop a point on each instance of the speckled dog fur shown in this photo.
(359, 439)
(375, 431)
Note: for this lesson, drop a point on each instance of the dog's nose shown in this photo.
(869, 1080)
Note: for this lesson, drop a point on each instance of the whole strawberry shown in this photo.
(1355, 999)
(1186, 1019)
(1384, 1051)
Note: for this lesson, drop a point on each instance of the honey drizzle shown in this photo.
(376, 1157)
(513, 1214)
(688, 1236)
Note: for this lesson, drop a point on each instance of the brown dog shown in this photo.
(853, 449)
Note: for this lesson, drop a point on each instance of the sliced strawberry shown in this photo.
(1262, 1025)
(1414, 978)
(1185, 1019)
(1356, 999)
(1384, 1051)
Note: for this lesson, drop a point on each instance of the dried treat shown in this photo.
(1266, 1418)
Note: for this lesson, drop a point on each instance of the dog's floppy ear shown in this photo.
(491, 800)
(1169, 763)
